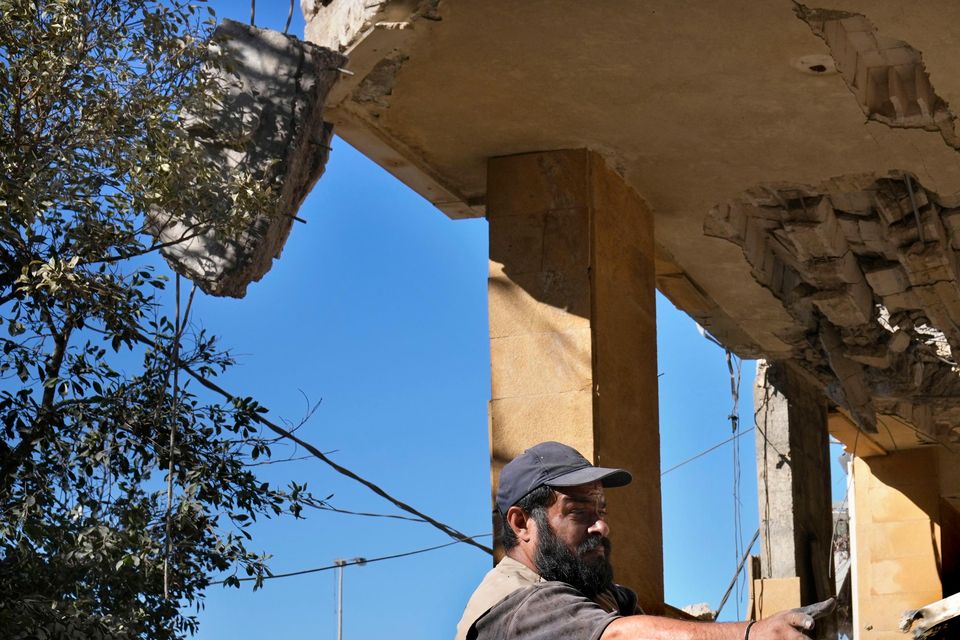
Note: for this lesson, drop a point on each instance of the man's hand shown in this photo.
(793, 623)
(786, 625)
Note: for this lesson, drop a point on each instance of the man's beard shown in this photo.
(555, 561)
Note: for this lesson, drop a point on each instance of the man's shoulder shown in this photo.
(543, 610)
(506, 578)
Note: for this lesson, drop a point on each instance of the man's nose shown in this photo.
(600, 526)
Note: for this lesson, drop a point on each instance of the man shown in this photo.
(556, 580)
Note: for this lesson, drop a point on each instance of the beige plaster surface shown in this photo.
(691, 101)
(896, 541)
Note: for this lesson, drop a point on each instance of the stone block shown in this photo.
(889, 505)
(859, 203)
(544, 241)
(905, 301)
(542, 363)
(517, 242)
(819, 240)
(871, 356)
(772, 595)
(889, 280)
(948, 295)
(726, 221)
(536, 182)
(850, 226)
(928, 263)
(520, 422)
(538, 302)
(755, 245)
(903, 575)
(871, 230)
(951, 221)
(899, 341)
(830, 273)
(564, 232)
(849, 306)
(914, 539)
(889, 207)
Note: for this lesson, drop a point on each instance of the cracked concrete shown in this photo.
(268, 131)
(868, 269)
(887, 76)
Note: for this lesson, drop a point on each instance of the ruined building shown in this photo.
(787, 175)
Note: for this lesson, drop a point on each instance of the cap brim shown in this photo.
(586, 475)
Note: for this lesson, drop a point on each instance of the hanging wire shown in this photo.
(347, 563)
(316, 453)
(286, 27)
(734, 367)
(705, 452)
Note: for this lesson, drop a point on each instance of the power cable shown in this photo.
(316, 453)
(705, 451)
(347, 563)
(734, 367)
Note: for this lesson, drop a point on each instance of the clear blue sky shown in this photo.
(378, 308)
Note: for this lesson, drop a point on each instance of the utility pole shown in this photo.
(340, 564)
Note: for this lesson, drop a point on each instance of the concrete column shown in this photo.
(895, 539)
(793, 472)
(573, 335)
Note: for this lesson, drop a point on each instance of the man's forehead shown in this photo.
(590, 491)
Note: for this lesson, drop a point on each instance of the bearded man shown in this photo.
(556, 580)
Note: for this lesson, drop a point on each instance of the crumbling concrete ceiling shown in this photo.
(694, 102)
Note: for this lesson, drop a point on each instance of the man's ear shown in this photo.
(524, 527)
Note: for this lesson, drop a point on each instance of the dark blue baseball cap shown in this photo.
(551, 464)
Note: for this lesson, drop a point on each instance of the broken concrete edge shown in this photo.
(363, 92)
(867, 267)
(340, 24)
(883, 66)
(274, 86)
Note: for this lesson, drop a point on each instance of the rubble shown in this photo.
(873, 287)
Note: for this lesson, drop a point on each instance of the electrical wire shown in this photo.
(734, 367)
(316, 453)
(347, 563)
(705, 452)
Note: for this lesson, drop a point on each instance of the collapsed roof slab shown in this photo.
(693, 102)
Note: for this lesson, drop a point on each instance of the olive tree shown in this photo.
(123, 492)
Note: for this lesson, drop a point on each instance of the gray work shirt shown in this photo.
(513, 602)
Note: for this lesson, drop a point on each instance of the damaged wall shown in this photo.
(868, 268)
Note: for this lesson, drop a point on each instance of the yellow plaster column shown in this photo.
(895, 543)
(573, 335)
